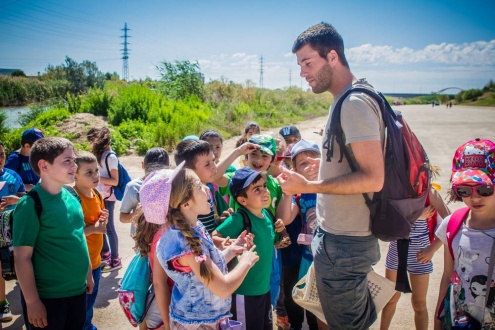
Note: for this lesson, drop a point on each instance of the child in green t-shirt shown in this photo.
(252, 303)
(51, 255)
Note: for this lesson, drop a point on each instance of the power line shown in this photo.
(125, 54)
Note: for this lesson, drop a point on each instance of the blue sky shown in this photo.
(399, 46)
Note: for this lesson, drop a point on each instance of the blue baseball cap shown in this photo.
(32, 134)
(304, 145)
(242, 178)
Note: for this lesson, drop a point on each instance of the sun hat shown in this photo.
(32, 134)
(266, 143)
(289, 130)
(303, 145)
(154, 194)
(242, 178)
(474, 162)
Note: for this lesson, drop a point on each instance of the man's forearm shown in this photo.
(349, 184)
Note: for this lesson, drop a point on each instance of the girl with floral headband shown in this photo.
(201, 293)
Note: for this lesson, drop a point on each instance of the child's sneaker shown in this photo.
(283, 323)
(112, 265)
(5, 314)
(105, 258)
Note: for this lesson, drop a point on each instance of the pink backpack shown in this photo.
(455, 224)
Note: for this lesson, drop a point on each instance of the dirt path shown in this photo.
(439, 129)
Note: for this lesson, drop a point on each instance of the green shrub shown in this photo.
(96, 102)
(133, 102)
(4, 129)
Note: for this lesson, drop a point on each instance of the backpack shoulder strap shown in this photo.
(272, 216)
(336, 134)
(245, 220)
(73, 192)
(106, 161)
(38, 208)
(455, 224)
(97, 193)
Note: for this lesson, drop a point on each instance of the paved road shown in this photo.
(440, 130)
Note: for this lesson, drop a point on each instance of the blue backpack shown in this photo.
(124, 179)
(135, 287)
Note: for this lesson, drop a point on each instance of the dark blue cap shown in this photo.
(32, 134)
(242, 178)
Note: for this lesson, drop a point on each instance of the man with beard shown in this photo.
(344, 248)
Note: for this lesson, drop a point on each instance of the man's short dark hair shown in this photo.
(189, 150)
(47, 149)
(323, 38)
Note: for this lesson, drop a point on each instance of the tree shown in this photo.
(18, 73)
(181, 79)
(80, 76)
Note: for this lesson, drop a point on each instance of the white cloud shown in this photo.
(436, 66)
(476, 53)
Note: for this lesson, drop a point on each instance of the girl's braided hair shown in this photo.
(182, 191)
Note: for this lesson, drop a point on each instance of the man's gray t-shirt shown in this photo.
(361, 121)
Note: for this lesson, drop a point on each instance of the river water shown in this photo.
(13, 113)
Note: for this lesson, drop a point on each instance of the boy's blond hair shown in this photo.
(47, 149)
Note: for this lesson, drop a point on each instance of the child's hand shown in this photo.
(279, 226)
(247, 148)
(427, 212)
(225, 214)
(227, 242)
(37, 314)
(9, 200)
(90, 283)
(245, 240)
(103, 219)
(249, 256)
(424, 255)
(99, 228)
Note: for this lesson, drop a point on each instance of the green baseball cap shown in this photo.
(266, 143)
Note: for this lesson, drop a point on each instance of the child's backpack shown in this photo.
(395, 208)
(135, 287)
(455, 224)
(124, 178)
(6, 225)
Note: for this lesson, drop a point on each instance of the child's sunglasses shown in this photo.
(466, 191)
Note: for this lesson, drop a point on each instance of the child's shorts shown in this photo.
(413, 265)
(153, 318)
